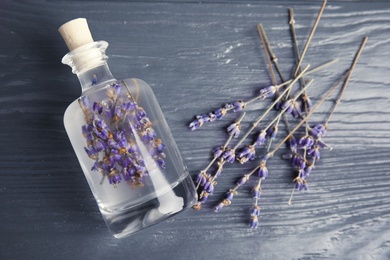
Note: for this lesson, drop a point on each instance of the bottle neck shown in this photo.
(96, 76)
(89, 63)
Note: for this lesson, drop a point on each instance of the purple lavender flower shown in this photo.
(212, 117)
(256, 192)
(228, 106)
(306, 103)
(94, 79)
(220, 112)
(318, 131)
(243, 180)
(272, 131)
(234, 129)
(128, 173)
(292, 143)
(141, 113)
(114, 91)
(91, 153)
(306, 141)
(292, 107)
(114, 177)
(229, 197)
(267, 92)
(129, 106)
(229, 155)
(314, 152)
(309, 168)
(85, 102)
(219, 207)
(255, 210)
(97, 107)
(247, 153)
(301, 184)
(218, 151)
(120, 157)
(204, 197)
(263, 171)
(201, 179)
(209, 187)
(99, 145)
(195, 124)
(96, 166)
(238, 105)
(254, 222)
(161, 163)
(261, 138)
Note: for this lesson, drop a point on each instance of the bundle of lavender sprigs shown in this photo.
(303, 151)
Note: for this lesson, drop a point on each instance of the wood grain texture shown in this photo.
(196, 56)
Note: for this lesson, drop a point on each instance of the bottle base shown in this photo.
(134, 219)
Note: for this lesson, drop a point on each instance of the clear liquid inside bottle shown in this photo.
(128, 200)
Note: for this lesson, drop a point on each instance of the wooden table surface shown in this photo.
(196, 56)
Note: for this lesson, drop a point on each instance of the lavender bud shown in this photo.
(242, 180)
(195, 124)
(97, 107)
(292, 143)
(314, 152)
(255, 210)
(218, 151)
(201, 179)
(219, 207)
(261, 138)
(234, 129)
(229, 155)
(254, 222)
(239, 105)
(212, 117)
(256, 192)
(272, 131)
(267, 92)
(114, 177)
(263, 172)
(204, 197)
(219, 113)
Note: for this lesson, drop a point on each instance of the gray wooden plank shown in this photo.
(196, 57)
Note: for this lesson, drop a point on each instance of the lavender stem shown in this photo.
(310, 37)
(272, 54)
(347, 79)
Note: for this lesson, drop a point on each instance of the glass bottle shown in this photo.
(122, 141)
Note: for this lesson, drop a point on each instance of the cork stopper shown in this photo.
(76, 33)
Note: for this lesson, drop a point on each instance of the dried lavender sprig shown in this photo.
(337, 102)
(262, 38)
(261, 30)
(255, 212)
(221, 112)
(310, 37)
(266, 45)
(203, 173)
(229, 196)
(305, 97)
(262, 174)
(256, 123)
